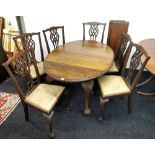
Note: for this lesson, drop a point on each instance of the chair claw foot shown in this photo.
(100, 118)
(87, 112)
(51, 135)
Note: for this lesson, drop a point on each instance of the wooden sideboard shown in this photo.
(116, 28)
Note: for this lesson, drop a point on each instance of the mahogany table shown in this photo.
(80, 61)
(149, 46)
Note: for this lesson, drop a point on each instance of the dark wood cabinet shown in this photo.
(1, 28)
(116, 28)
(3, 58)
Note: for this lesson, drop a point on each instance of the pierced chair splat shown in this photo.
(29, 45)
(54, 35)
(93, 30)
(121, 54)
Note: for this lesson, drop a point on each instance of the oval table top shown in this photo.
(149, 46)
(79, 61)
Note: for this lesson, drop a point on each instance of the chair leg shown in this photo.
(26, 111)
(121, 98)
(66, 99)
(101, 115)
(129, 103)
(49, 120)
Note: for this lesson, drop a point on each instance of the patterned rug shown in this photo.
(8, 102)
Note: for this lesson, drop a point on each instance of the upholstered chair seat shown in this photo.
(40, 69)
(113, 69)
(111, 85)
(44, 97)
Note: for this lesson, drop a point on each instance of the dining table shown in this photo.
(80, 61)
(149, 46)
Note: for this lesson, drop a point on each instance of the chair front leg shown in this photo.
(65, 99)
(26, 112)
(102, 103)
(129, 103)
(49, 120)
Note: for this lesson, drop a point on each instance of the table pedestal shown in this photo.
(88, 89)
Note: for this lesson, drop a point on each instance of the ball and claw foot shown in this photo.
(87, 112)
(100, 118)
(51, 135)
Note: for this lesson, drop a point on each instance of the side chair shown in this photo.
(121, 54)
(53, 35)
(93, 30)
(28, 42)
(125, 84)
(42, 97)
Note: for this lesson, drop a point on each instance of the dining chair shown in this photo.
(125, 84)
(42, 97)
(121, 54)
(31, 43)
(93, 30)
(53, 35)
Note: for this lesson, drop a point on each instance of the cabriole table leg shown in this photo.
(88, 89)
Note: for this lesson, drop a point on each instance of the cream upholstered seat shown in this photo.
(40, 69)
(44, 97)
(111, 85)
(113, 69)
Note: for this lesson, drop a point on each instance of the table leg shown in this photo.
(88, 89)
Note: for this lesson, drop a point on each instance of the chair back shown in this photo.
(122, 50)
(22, 69)
(52, 35)
(93, 30)
(29, 42)
(138, 59)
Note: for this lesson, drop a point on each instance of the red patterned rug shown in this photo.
(8, 102)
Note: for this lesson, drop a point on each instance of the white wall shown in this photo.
(72, 14)
(12, 19)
